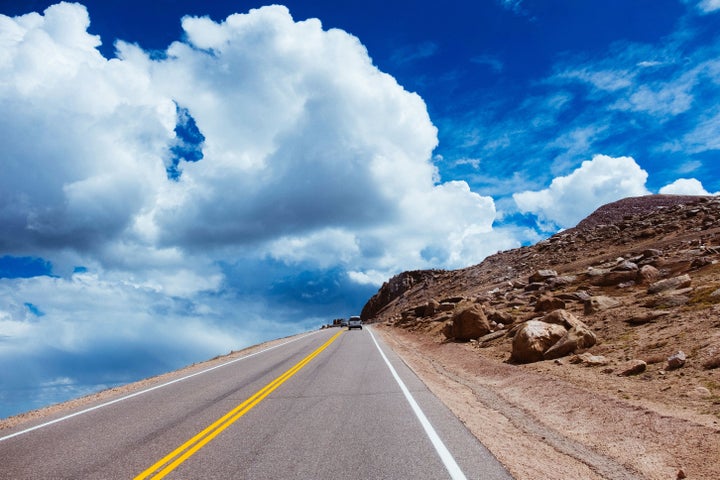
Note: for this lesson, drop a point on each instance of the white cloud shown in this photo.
(312, 156)
(703, 137)
(303, 136)
(709, 6)
(84, 137)
(608, 80)
(665, 100)
(370, 277)
(596, 182)
(323, 248)
(685, 186)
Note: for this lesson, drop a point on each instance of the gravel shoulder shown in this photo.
(542, 426)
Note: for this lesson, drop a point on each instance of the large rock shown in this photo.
(590, 360)
(431, 308)
(611, 278)
(598, 303)
(676, 361)
(648, 274)
(541, 276)
(470, 323)
(547, 303)
(578, 337)
(533, 339)
(633, 367)
(675, 283)
(499, 317)
(564, 318)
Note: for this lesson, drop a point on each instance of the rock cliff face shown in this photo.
(646, 268)
(395, 288)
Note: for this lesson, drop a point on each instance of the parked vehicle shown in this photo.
(354, 322)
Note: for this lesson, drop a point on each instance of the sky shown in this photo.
(179, 179)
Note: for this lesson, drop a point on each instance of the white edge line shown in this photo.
(96, 407)
(450, 464)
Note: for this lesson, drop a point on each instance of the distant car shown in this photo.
(354, 322)
(343, 323)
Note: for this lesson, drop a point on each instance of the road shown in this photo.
(334, 404)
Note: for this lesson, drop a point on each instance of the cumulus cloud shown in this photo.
(190, 183)
(300, 133)
(571, 198)
(83, 137)
(685, 186)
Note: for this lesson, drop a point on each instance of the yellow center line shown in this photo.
(170, 461)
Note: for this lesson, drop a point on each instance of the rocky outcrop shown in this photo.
(395, 288)
(620, 275)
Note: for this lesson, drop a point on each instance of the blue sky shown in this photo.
(180, 178)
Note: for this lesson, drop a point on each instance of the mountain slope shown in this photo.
(642, 278)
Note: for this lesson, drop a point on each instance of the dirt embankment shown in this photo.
(540, 425)
(642, 276)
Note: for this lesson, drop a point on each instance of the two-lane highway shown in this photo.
(334, 404)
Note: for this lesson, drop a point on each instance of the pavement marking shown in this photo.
(448, 460)
(111, 402)
(187, 449)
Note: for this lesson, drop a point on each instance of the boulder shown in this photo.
(577, 296)
(676, 361)
(648, 274)
(633, 367)
(577, 338)
(625, 266)
(590, 360)
(614, 277)
(431, 308)
(712, 361)
(446, 307)
(598, 303)
(541, 276)
(470, 323)
(500, 317)
(674, 283)
(533, 339)
(547, 303)
(561, 281)
(564, 318)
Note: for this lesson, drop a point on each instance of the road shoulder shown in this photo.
(541, 427)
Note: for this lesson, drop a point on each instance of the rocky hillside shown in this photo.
(632, 290)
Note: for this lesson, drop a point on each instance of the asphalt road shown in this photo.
(324, 406)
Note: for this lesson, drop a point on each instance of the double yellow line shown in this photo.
(171, 461)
